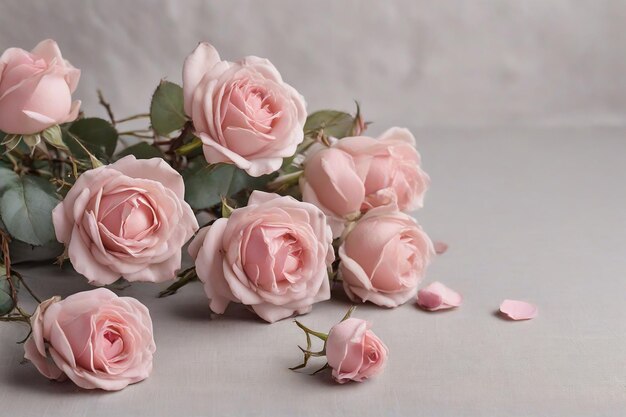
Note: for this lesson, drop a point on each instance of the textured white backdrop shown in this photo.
(519, 111)
(411, 62)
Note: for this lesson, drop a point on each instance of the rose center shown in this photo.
(250, 107)
(112, 337)
(127, 214)
(272, 258)
(113, 344)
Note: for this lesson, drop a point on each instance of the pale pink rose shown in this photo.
(390, 169)
(330, 181)
(354, 352)
(36, 89)
(243, 111)
(384, 258)
(271, 255)
(95, 338)
(126, 219)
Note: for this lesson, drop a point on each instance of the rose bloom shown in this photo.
(330, 181)
(390, 169)
(243, 111)
(95, 338)
(354, 352)
(126, 219)
(384, 258)
(36, 89)
(271, 255)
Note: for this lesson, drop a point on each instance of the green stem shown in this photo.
(319, 335)
(23, 282)
(185, 278)
(134, 117)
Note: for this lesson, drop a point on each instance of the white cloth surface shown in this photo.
(536, 215)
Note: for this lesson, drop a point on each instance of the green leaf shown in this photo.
(167, 113)
(205, 185)
(330, 122)
(26, 205)
(54, 137)
(6, 302)
(141, 150)
(97, 135)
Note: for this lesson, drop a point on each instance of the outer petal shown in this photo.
(155, 169)
(85, 264)
(35, 349)
(437, 296)
(158, 272)
(398, 133)
(518, 310)
(209, 267)
(201, 60)
(271, 313)
(48, 50)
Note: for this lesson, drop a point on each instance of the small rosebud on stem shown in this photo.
(307, 352)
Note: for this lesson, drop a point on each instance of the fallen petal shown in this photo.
(518, 310)
(440, 247)
(437, 296)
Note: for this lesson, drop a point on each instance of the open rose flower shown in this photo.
(126, 219)
(330, 181)
(389, 167)
(36, 89)
(243, 111)
(95, 338)
(354, 352)
(271, 255)
(384, 258)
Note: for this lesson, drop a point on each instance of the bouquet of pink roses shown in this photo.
(290, 203)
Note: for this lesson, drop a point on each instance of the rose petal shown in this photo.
(440, 247)
(518, 310)
(437, 296)
(202, 59)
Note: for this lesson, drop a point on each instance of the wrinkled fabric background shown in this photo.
(423, 63)
(518, 108)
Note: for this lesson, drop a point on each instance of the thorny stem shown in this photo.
(106, 106)
(184, 278)
(134, 117)
(319, 335)
(23, 282)
(23, 315)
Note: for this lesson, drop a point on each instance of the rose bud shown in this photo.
(354, 352)
(95, 338)
(126, 219)
(390, 169)
(384, 258)
(243, 111)
(330, 181)
(36, 89)
(271, 255)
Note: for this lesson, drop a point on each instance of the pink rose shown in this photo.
(36, 89)
(384, 258)
(271, 255)
(128, 218)
(95, 338)
(330, 181)
(390, 169)
(243, 111)
(354, 352)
